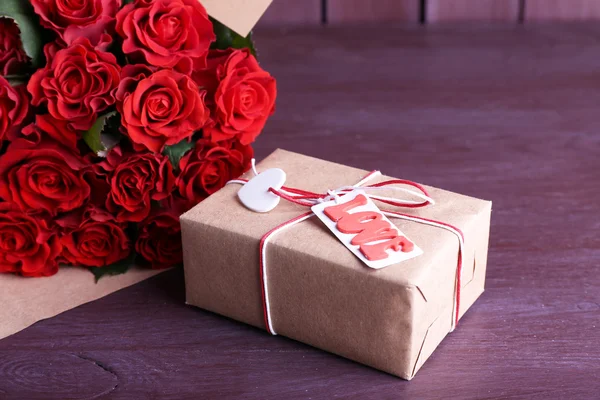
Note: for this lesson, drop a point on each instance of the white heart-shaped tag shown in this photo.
(255, 194)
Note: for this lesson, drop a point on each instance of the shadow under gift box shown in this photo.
(319, 292)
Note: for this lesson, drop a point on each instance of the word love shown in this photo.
(370, 227)
(359, 224)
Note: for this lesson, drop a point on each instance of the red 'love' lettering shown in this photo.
(335, 213)
(377, 251)
(369, 227)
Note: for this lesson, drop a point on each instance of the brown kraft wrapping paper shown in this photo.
(321, 294)
(28, 300)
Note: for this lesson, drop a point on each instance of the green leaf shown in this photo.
(118, 268)
(176, 151)
(227, 38)
(16, 80)
(104, 134)
(32, 34)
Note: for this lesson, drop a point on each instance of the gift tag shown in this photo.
(237, 15)
(255, 194)
(361, 226)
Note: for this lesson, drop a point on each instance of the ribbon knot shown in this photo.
(308, 199)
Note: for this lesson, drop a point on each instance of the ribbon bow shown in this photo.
(308, 199)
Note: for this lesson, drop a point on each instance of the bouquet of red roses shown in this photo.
(116, 116)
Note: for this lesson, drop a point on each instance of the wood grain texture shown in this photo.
(536, 10)
(506, 113)
(339, 11)
(292, 12)
(472, 10)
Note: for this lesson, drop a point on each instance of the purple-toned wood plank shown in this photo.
(539, 10)
(340, 11)
(472, 10)
(500, 112)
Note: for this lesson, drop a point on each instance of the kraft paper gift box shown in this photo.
(320, 293)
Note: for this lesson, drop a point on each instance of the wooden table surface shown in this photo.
(505, 113)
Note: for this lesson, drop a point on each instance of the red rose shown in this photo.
(244, 98)
(14, 105)
(166, 33)
(159, 240)
(207, 168)
(12, 56)
(163, 109)
(27, 246)
(43, 176)
(135, 181)
(77, 84)
(74, 19)
(98, 241)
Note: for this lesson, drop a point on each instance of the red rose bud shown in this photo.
(73, 19)
(12, 56)
(77, 84)
(166, 33)
(14, 105)
(135, 181)
(98, 241)
(208, 167)
(164, 108)
(243, 100)
(27, 246)
(43, 176)
(159, 240)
